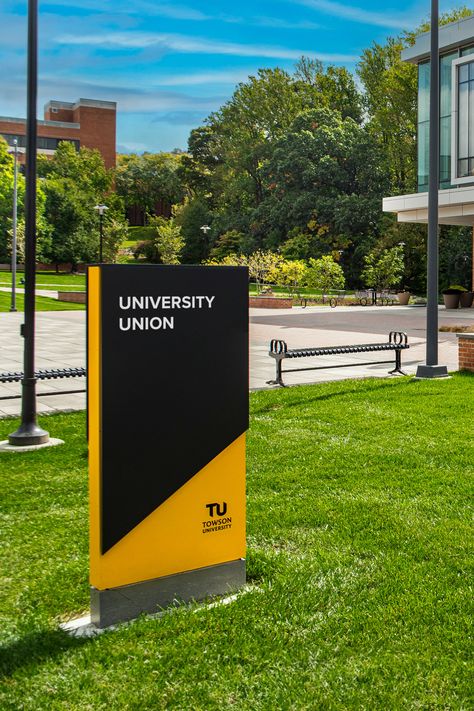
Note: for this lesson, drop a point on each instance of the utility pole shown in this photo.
(29, 432)
(14, 223)
(432, 369)
(101, 210)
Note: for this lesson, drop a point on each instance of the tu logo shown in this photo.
(216, 509)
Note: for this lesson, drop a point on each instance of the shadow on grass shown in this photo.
(36, 648)
(305, 400)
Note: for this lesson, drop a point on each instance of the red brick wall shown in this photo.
(466, 351)
(19, 129)
(269, 302)
(66, 115)
(98, 131)
(75, 297)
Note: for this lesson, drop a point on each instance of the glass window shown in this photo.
(10, 137)
(423, 155)
(42, 142)
(467, 50)
(445, 152)
(445, 78)
(465, 142)
(424, 92)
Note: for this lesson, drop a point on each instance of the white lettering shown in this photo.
(138, 302)
(155, 302)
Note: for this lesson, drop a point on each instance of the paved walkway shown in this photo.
(60, 343)
(38, 292)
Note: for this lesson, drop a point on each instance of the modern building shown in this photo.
(456, 195)
(87, 122)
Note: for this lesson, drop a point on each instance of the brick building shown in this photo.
(86, 123)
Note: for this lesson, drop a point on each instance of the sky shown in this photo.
(169, 64)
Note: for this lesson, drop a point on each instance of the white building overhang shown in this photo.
(456, 207)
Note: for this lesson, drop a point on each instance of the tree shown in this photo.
(6, 211)
(290, 273)
(169, 241)
(334, 87)
(73, 183)
(230, 260)
(191, 216)
(143, 180)
(325, 274)
(115, 234)
(230, 242)
(383, 271)
(326, 179)
(261, 264)
(228, 156)
(391, 101)
(6, 198)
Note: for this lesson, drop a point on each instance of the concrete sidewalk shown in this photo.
(38, 292)
(60, 343)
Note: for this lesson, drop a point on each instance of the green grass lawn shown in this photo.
(43, 303)
(49, 280)
(360, 560)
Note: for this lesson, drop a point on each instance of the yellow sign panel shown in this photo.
(201, 524)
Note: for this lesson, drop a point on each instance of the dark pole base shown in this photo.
(427, 372)
(27, 435)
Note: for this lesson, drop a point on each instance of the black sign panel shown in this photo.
(174, 379)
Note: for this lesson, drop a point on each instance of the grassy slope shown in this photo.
(43, 303)
(358, 529)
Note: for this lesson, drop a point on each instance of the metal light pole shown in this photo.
(205, 229)
(29, 433)
(14, 223)
(101, 210)
(432, 369)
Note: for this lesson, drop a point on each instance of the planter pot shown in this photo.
(451, 301)
(466, 299)
(403, 298)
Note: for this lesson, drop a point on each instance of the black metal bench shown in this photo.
(53, 374)
(333, 300)
(397, 342)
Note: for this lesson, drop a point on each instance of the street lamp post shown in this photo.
(29, 432)
(14, 223)
(101, 209)
(432, 369)
(205, 229)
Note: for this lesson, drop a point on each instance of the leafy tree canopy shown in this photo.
(73, 183)
(143, 180)
(325, 177)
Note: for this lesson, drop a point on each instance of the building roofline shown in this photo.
(72, 106)
(456, 34)
(54, 124)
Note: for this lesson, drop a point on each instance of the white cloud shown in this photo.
(137, 7)
(194, 45)
(357, 14)
(280, 24)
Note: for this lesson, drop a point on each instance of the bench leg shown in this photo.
(398, 364)
(278, 376)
